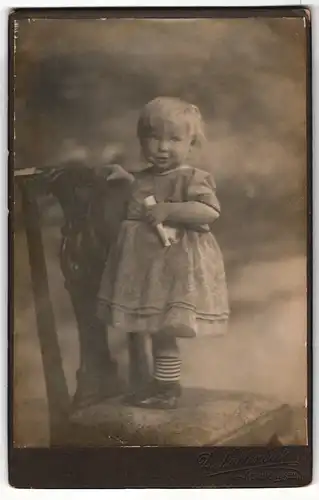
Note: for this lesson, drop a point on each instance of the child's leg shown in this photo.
(165, 390)
(166, 358)
(139, 374)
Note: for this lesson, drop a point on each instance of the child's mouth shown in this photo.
(162, 159)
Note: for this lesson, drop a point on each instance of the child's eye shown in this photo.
(175, 138)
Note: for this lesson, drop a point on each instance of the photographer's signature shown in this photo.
(270, 465)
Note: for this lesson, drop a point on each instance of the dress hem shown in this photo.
(175, 321)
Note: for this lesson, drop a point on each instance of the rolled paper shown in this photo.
(150, 201)
(25, 171)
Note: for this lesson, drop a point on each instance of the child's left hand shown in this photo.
(157, 213)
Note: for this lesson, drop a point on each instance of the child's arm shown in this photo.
(191, 212)
(114, 172)
(186, 213)
(200, 208)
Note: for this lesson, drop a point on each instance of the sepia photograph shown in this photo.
(160, 225)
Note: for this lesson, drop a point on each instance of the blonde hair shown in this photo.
(172, 109)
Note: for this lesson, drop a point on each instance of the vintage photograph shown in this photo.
(160, 178)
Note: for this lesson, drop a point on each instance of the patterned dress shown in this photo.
(147, 287)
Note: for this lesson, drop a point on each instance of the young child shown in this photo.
(170, 292)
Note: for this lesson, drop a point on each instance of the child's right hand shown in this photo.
(112, 172)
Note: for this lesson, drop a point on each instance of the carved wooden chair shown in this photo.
(92, 209)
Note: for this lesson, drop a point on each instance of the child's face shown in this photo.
(167, 145)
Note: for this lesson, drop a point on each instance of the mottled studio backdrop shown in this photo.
(83, 83)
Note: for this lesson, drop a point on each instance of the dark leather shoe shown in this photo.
(160, 395)
(148, 390)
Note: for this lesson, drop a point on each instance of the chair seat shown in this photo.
(203, 418)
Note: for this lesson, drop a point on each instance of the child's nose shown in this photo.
(163, 145)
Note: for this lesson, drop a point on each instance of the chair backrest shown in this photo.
(55, 382)
(93, 209)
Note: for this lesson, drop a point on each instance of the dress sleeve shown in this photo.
(202, 188)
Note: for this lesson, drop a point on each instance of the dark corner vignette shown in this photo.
(68, 462)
